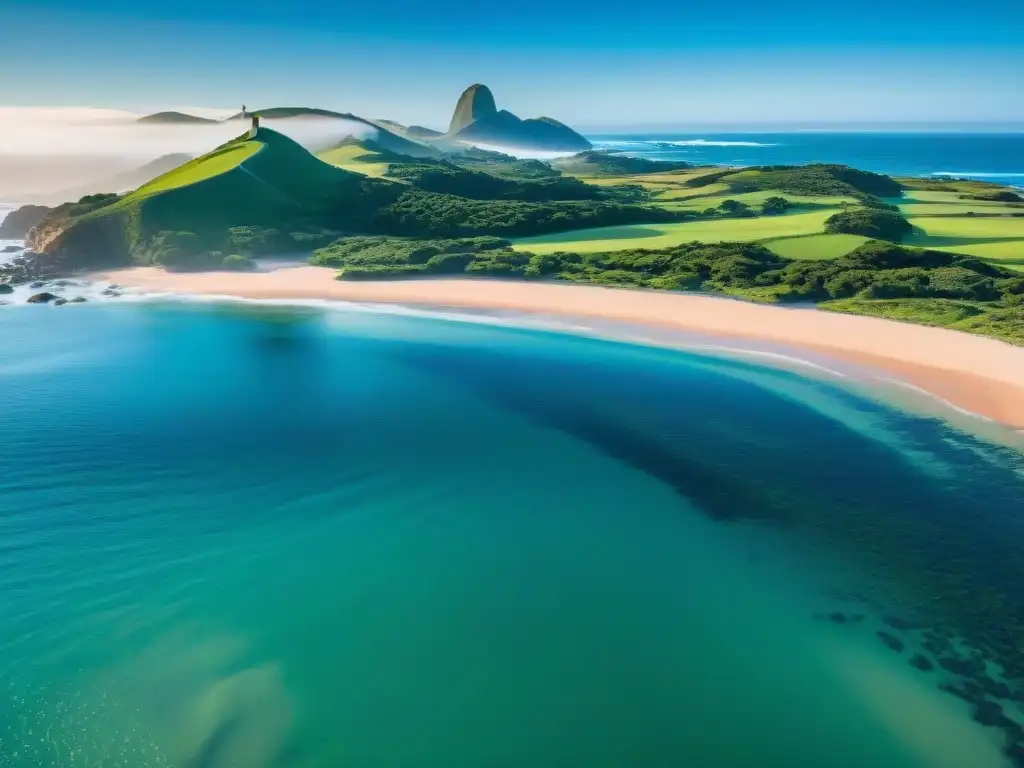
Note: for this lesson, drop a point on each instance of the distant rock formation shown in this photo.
(18, 222)
(475, 103)
(477, 120)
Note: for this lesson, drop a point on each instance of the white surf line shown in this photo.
(941, 400)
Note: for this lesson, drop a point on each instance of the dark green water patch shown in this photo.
(933, 510)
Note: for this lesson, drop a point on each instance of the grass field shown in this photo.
(669, 185)
(201, 168)
(815, 247)
(668, 235)
(997, 238)
(939, 203)
(971, 227)
(945, 185)
(352, 157)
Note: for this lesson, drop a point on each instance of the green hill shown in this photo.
(173, 118)
(269, 195)
(269, 182)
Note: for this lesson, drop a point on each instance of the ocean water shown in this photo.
(236, 535)
(986, 156)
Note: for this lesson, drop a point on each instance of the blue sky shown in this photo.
(663, 62)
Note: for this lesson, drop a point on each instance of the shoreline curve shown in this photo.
(975, 374)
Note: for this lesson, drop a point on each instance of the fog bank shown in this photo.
(44, 151)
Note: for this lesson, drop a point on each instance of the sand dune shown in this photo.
(978, 374)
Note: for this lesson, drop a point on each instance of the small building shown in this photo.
(255, 126)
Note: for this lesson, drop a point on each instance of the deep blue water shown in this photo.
(241, 536)
(991, 157)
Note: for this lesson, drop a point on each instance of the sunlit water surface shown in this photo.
(238, 536)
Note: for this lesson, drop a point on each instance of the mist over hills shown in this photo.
(476, 121)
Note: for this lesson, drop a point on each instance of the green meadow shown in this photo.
(202, 168)
(355, 158)
(998, 238)
(672, 234)
(815, 247)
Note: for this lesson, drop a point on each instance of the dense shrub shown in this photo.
(775, 206)
(431, 215)
(870, 222)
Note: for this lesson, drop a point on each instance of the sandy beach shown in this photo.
(974, 373)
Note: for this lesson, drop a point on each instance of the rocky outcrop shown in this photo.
(475, 103)
(17, 223)
(477, 120)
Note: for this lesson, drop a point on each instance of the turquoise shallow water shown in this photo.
(240, 536)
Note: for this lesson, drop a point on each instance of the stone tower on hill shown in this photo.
(476, 103)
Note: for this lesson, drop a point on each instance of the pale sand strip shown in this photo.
(972, 372)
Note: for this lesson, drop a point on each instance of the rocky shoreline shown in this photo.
(27, 269)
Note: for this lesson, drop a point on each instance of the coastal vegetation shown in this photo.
(449, 178)
(593, 162)
(818, 233)
(931, 287)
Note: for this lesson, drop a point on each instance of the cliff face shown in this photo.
(475, 103)
(477, 120)
(18, 222)
(64, 246)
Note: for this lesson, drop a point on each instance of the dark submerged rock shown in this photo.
(79, 300)
(892, 642)
(6, 288)
(837, 617)
(996, 688)
(60, 302)
(10, 249)
(959, 692)
(41, 298)
(111, 292)
(921, 662)
(965, 667)
(898, 622)
(991, 714)
(37, 284)
(1015, 752)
